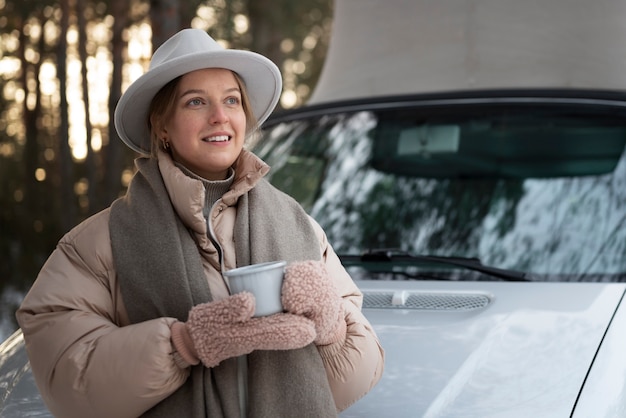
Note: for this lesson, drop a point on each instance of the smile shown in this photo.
(219, 138)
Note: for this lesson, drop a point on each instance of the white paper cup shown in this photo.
(264, 281)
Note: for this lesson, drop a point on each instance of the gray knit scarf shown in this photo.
(160, 275)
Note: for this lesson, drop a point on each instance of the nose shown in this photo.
(218, 115)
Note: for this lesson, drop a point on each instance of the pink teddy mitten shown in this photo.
(223, 329)
(308, 290)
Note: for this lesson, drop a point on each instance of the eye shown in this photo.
(232, 100)
(194, 102)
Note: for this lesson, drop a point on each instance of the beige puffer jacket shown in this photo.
(88, 360)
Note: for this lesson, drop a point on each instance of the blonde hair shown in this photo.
(162, 107)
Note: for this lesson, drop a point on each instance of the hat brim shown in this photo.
(260, 75)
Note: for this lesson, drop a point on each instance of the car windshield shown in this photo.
(537, 188)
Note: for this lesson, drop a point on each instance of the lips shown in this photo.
(217, 138)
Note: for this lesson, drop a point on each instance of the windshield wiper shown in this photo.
(403, 257)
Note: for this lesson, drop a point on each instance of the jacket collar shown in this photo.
(187, 194)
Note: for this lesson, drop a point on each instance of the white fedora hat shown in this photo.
(186, 51)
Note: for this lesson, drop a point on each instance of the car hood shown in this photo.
(452, 349)
(19, 396)
(484, 349)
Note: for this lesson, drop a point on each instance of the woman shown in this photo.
(130, 316)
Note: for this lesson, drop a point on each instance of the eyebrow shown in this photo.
(200, 91)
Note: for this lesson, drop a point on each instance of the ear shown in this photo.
(162, 133)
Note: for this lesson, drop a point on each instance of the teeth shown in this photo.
(221, 138)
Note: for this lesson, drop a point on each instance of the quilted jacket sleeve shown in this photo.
(86, 361)
(355, 365)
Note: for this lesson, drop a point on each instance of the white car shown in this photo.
(488, 234)
(480, 206)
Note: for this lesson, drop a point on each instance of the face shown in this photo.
(207, 127)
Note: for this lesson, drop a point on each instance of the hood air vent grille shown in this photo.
(437, 301)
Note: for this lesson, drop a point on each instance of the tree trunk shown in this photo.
(265, 29)
(30, 116)
(68, 212)
(35, 203)
(165, 18)
(90, 161)
(114, 163)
